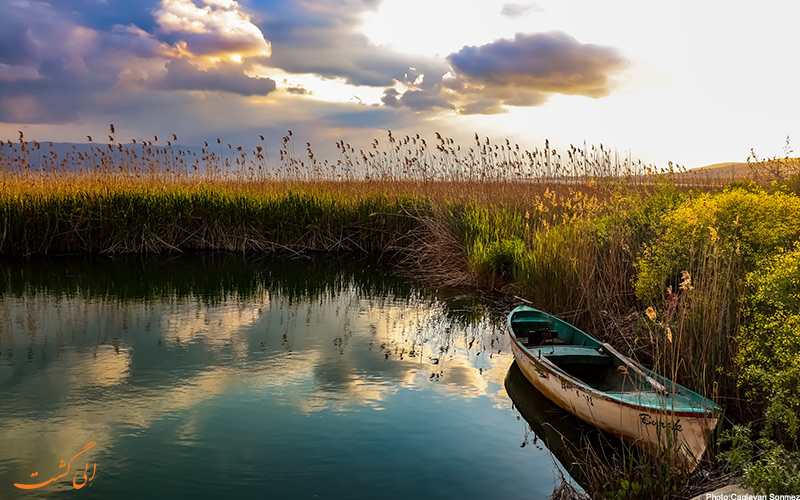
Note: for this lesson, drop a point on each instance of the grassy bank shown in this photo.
(699, 282)
(122, 215)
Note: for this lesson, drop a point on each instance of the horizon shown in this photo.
(680, 82)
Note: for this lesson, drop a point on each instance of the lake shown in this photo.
(216, 376)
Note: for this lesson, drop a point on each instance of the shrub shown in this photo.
(769, 345)
(777, 473)
(741, 223)
(766, 466)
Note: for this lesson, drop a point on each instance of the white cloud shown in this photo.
(220, 28)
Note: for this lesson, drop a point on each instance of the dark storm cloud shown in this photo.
(182, 75)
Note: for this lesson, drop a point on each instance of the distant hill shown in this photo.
(744, 170)
(727, 169)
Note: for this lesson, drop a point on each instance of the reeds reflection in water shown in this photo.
(251, 370)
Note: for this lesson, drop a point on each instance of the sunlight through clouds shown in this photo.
(221, 29)
(693, 73)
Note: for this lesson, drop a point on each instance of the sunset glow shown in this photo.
(681, 81)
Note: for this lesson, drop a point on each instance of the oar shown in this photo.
(656, 385)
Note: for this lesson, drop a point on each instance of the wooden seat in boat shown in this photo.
(574, 354)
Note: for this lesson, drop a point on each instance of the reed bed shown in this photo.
(407, 158)
(130, 215)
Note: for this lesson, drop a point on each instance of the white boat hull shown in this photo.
(660, 431)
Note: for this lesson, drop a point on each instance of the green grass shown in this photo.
(148, 217)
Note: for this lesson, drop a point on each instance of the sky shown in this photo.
(690, 82)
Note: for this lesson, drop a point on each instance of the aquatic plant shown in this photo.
(409, 157)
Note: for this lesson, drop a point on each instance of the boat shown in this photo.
(565, 436)
(599, 385)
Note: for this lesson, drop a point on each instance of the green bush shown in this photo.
(769, 345)
(777, 473)
(503, 256)
(740, 223)
(764, 465)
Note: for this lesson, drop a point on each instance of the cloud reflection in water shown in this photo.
(95, 358)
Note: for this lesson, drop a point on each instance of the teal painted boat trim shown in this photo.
(566, 343)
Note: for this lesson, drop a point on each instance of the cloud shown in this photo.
(483, 107)
(33, 36)
(523, 71)
(416, 100)
(515, 10)
(60, 62)
(182, 75)
(38, 103)
(10, 72)
(17, 46)
(324, 38)
(135, 41)
(46, 64)
(544, 62)
(101, 15)
(298, 90)
(391, 97)
(219, 28)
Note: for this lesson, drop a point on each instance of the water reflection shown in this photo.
(568, 438)
(216, 359)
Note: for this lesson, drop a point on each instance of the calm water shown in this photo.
(217, 376)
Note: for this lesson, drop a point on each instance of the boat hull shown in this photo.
(657, 430)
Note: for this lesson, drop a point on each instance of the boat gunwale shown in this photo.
(708, 412)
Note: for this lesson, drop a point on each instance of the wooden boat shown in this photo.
(562, 433)
(606, 389)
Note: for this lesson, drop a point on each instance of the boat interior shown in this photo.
(580, 357)
(589, 361)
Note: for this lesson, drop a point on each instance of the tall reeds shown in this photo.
(407, 158)
(79, 214)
